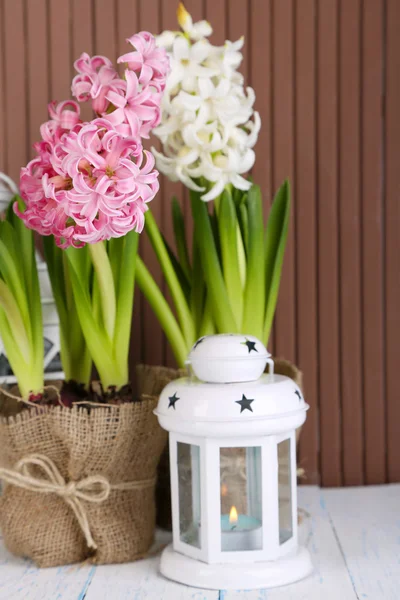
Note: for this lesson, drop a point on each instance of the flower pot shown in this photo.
(152, 380)
(79, 482)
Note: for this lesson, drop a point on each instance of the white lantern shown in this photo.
(233, 469)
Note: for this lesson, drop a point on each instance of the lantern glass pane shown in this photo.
(285, 492)
(241, 499)
(189, 493)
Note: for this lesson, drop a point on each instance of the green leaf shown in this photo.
(184, 282)
(17, 326)
(11, 270)
(180, 238)
(254, 296)
(275, 245)
(216, 289)
(243, 218)
(198, 289)
(163, 312)
(228, 226)
(181, 306)
(97, 339)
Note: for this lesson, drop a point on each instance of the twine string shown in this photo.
(29, 402)
(94, 489)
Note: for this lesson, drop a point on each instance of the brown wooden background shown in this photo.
(327, 79)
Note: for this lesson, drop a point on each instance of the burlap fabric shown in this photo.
(115, 445)
(152, 380)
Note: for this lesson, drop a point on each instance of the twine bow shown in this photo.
(94, 489)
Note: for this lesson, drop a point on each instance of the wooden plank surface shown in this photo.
(20, 580)
(153, 340)
(127, 24)
(330, 580)
(306, 240)
(168, 188)
(366, 522)
(327, 218)
(326, 79)
(392, 237)
(61, 56)
(141, 581)
(105, 28)
(372, 152)
(349, 232)
(352, 534)
(38, 52)
(15, 91)
(283, 162)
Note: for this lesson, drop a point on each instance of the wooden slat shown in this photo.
(82, 38)
(238, 25)
(3, 117)
(15, 88)
(283, 162)
(327, 219)
(349, 231)
(105, 30)
(60, 50)
(372, 238)
(306, 241)
(260, 80)
(392, 237)
(128, 24)
(153, 350)
(196, 9)
(215, 13)
(169, 189)
(38, 52)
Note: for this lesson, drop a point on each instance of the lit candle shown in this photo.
(240, 532)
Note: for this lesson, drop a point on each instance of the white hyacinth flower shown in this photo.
(208, 126)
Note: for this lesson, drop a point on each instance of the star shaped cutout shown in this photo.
(245, 404)
(199, 342)
(250, 345)
(172, 401)
(299, 395)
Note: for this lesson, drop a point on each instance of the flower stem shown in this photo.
(105, 278)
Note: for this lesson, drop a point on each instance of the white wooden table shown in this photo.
(353, 535)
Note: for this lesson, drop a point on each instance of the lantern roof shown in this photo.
(271, 403)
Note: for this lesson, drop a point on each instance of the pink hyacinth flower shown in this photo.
(88, 184)
(151, 63)
(139, 112)
(95, 80)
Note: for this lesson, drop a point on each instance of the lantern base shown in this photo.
(225, 576)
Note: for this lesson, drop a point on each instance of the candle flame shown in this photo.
(233, 516)
(224, 489)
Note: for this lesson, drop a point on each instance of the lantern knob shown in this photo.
(229, 358)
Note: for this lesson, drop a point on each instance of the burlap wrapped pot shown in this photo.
(79, 483)
(152, 380)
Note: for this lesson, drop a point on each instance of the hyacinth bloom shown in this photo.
(88, 183)
(208, 127)
(92, 181)
(131, 104)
